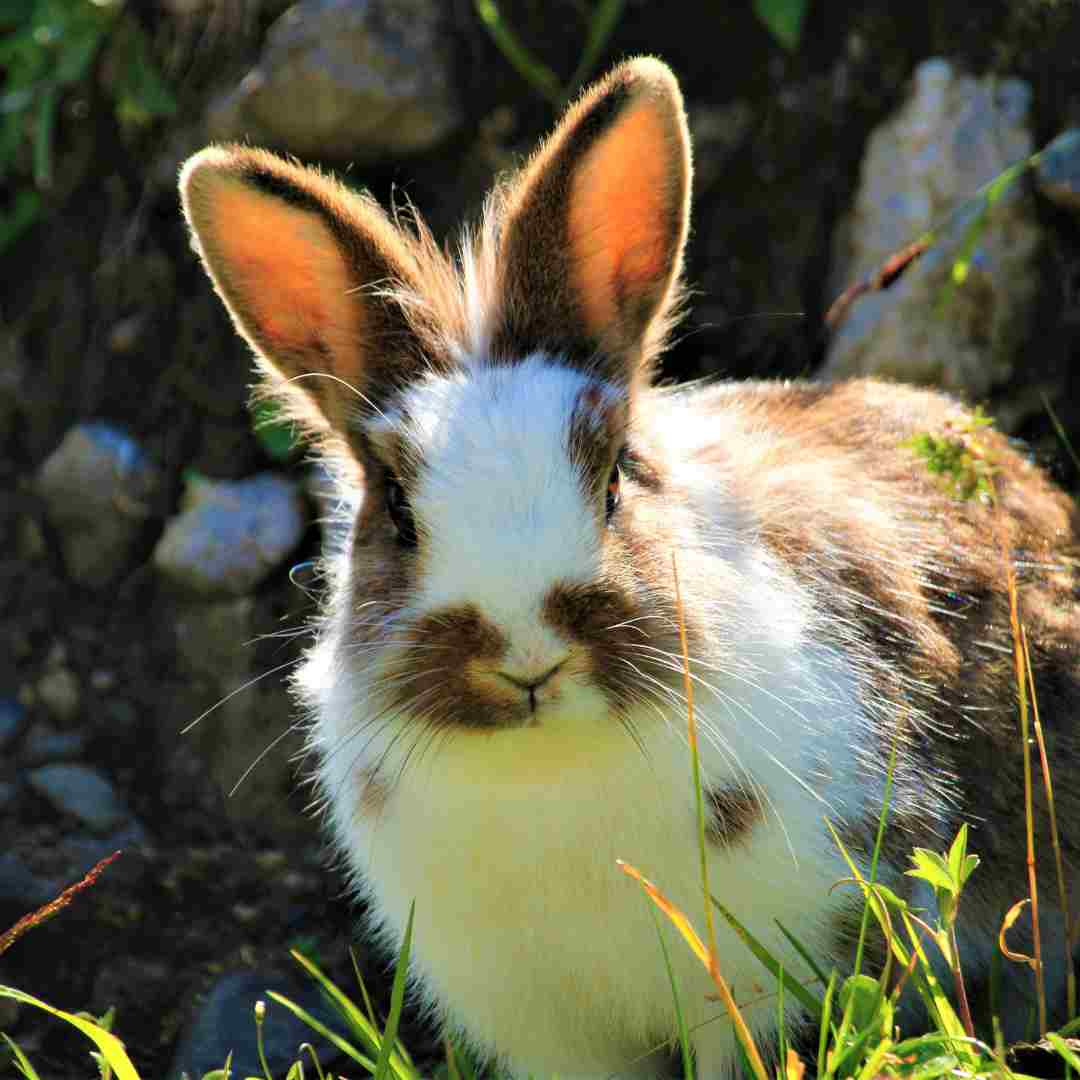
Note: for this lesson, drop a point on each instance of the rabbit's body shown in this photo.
(497, 687)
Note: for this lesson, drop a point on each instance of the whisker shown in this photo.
(239, 690)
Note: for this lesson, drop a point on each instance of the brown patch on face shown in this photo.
(594, 435)
(440, 662)
(732, 815)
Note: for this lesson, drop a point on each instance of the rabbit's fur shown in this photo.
(496, 688)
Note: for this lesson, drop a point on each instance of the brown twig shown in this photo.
(53, 907)
(884, 276)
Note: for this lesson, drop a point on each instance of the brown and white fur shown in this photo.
(495, 690)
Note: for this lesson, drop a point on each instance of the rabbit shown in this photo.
(496, 687)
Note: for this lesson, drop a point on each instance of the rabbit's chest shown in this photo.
(517, 887)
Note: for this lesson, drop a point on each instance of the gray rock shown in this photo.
(225, 1024)
(20, 887)
(82, 792)
(59, 691)
(97, 487)
(213, 640)
(229, 536)
(1058, 171)
(953, 135)
(351, 79)
(12, 720)
(43, 743)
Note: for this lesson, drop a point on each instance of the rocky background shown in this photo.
(155, 552)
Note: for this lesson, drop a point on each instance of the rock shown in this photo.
(97, 487)
(954, 134)
(82, 792)
(21, 888)
(12, 720)
(1058, 172)
(59, 691)
(350, 79)
(9, 795)
(225, 1023)
(229, 536)
(213, 641)
(248, 740)
(43, 743)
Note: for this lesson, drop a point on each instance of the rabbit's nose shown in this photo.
(530, 680)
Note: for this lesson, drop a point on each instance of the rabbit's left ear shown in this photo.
(593, 237)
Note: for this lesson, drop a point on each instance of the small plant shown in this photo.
(783, 18)
(947, 875)
(959, 461)
(48, 47)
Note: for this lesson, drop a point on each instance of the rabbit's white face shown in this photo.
(494, 569)
(504, 520)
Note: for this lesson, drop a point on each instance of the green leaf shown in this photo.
(931, 867)
(784, 19)
(1063, 1048)
(961, 864)
(107, 1043)
(863, 996)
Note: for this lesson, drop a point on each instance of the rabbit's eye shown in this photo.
(397, 506)
(614, 481)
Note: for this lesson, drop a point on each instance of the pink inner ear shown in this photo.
(286, 274)
(620, 218)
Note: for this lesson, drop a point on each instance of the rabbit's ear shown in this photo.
(307, 269)
(594, 230)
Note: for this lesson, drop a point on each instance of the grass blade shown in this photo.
(22, 1062)
(532, 70)
(604, 19)
(356, 1020)
(397, 999)
(803, 952)
(684, 1034)
(771, 964)
(315, 1024)
(1063, 1048)
(708, 961)
(826, 1021)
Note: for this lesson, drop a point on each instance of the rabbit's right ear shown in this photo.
(308, 271)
